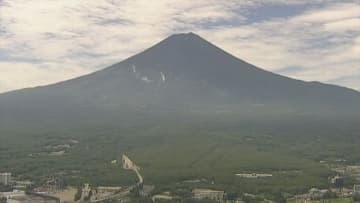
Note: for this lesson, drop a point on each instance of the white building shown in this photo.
(32, 199)
(85, 192)
(14, 193)
(254, 175)
(209, 194)
(5, 178)
(316, 194)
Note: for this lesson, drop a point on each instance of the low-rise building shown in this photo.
(86, 191)
(356, 189)
(254, 175)
(5, 178)
(32, 199)
(208, 194)
(103, 189)
(14, 193)
(146, 190)
(316, 194)
(161, 197)
(22, 185)
(338, 182)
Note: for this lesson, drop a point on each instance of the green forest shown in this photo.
(196, 152)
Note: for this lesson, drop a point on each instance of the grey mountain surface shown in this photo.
(182, 73)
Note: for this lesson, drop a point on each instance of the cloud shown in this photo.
(334, 12)
(15, 75)
(61, 39)
(351, 24)
(323, 43)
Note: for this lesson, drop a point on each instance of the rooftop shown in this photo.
(206, 191)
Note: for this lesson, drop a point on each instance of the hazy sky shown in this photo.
(45, 41)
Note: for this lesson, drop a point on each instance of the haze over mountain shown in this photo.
(183, 73)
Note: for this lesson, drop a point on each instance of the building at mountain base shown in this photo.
(209, 194)
(31, 199)
(5, 178)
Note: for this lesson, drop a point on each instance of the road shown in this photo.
(128, 165)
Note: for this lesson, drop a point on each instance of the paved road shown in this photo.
(127, 190)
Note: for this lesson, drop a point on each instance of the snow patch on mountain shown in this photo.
(162, 77)
(146, 79)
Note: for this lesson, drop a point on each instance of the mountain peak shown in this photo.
(183, 37)
(180, 48)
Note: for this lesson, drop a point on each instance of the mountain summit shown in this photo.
(182, 73)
